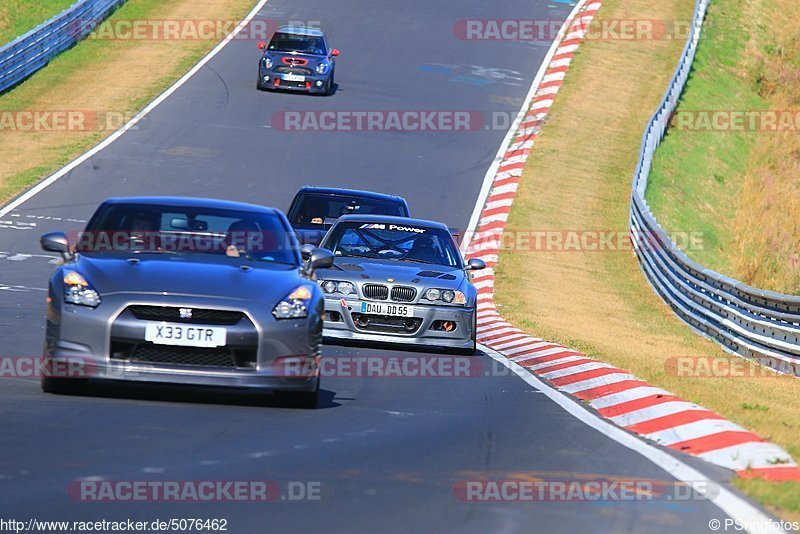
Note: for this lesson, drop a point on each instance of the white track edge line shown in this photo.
(488, 179)
(44, 184)
(734, 506)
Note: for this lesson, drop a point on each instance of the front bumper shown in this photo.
(316, 83)
(463, 337)
(93, 337)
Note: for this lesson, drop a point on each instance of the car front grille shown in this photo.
(196, 315)
(300, 71)
(221, 358)
(386, 324)
(375, 291)
(403, 293)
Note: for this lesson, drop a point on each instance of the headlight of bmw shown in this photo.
(268, 62)
(294, 305)
(78, 290)
(323, 67)
(448, 296)
(337, 286)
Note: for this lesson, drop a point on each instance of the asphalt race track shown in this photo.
(386, 452)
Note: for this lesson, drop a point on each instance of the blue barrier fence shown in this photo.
(27, 54)
(751, 322)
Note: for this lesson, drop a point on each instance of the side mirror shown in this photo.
(262, 45)
(476, 264)
(56, 242)
(306, 251)
(320, 258)
(335, 52)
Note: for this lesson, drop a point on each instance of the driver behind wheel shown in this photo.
(241, 235)
(424, 249)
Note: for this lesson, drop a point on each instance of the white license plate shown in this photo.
(185, 335)
(294, 78)
(379, 308)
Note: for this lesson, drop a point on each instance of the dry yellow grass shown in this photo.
(579, 178)
(105, 77)
(767, 226)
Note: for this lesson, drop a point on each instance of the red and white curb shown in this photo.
(615, 394)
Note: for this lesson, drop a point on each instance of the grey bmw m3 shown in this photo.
(186, 291)
(398, 280)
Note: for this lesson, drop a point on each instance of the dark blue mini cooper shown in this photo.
(297, 59)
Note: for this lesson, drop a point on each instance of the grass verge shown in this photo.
(17, 17)
(578, 179)
(110, 79)
(738, 186)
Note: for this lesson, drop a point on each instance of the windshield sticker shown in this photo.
(406, 229)
(373, 226)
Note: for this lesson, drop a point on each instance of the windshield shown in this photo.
(291, 42)
(391, 241)
(260, 236)
(312, 209)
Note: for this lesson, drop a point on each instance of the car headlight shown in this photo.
(323, 67)
(294, 305)
(433, 294)
(78, 290)
(267, 62)
(335, 286)
(329, 286)
(447, 296)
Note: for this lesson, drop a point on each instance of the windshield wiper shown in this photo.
(412, 260)
(358, 256)
(269, 260)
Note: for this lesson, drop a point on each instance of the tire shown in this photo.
(330, 87)
(63, 386)
(474, 349)
(307, 400)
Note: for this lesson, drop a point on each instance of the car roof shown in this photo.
(190, 202)
(301, 30)
(404, 221)
(350, 192)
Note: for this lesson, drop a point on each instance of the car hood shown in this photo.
(198, 274)
(313, 60)
(401, 272)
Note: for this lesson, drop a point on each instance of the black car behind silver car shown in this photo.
(186, 291)
(315, 209)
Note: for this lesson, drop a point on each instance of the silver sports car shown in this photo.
(398, 280)
(186, 291)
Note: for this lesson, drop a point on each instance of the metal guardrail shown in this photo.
(27, 54)
(753, 323)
